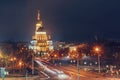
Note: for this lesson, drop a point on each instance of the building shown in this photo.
(58, 45)
(41, 42)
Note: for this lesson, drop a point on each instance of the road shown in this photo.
(69, 72)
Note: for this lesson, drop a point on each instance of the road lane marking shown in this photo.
(45, 74)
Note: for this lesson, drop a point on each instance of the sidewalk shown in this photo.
(20, 78)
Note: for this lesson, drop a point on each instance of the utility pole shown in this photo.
(26, 78)
(99, 68)
(33, 64)
(78, 67)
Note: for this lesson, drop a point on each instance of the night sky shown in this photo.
(65, 20)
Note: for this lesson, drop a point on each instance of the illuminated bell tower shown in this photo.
(41, 43)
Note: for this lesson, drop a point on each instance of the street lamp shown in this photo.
(98, 50)
(13, 63)
(20, 64)
(78, 68)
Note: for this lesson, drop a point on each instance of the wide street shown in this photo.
(69, 72)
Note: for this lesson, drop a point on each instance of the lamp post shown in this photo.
(13, 63)
(20, 64)
(97, 50)
(33, 64)
(78, 67)
(34, 51)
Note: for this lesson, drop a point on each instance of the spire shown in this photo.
(38, 16)
(39, 22)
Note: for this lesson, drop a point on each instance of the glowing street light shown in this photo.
(20, 64)
(11, 59)
(74, 49)
(14, 58)
(97, 49)
(55, 55)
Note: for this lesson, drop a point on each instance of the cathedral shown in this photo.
(41, 42)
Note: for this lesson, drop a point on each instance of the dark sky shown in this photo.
(66, 20)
